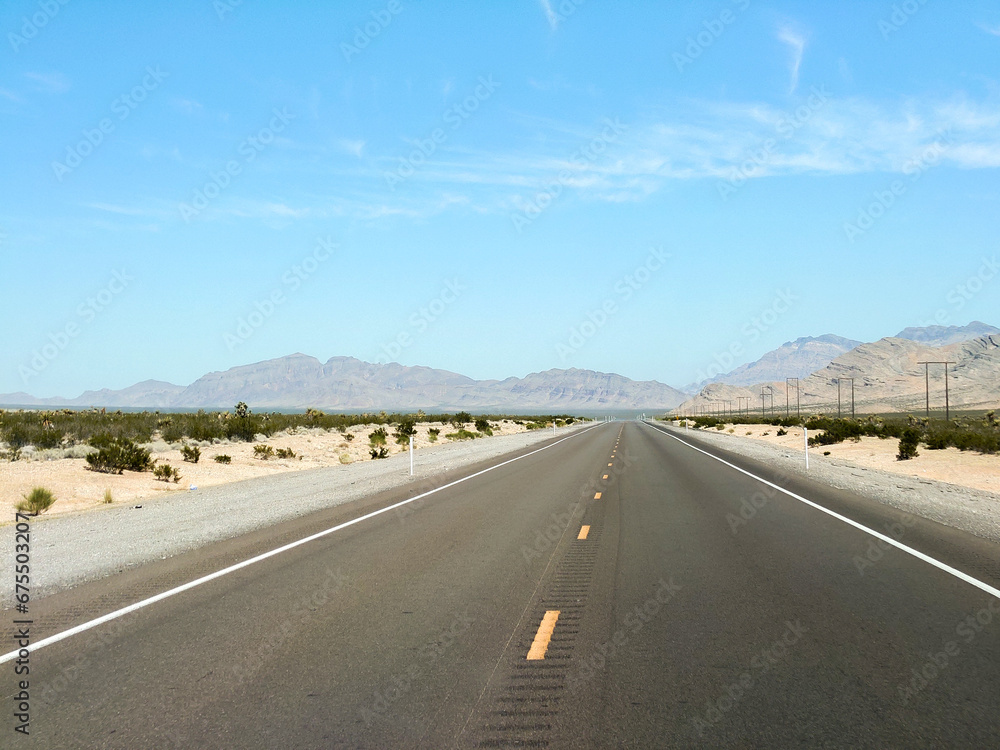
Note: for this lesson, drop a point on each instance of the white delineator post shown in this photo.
(805, 440)
(411, 455)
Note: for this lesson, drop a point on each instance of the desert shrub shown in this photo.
(37, 501)
(12, 454)
(483, 426)
(222, 458)
(377, 437)
(116, 455)
(345, 458)
(462, 435)
(166, 473)
(461, 419)
(285, 453)
(108, 497)
(908, 444)
(379, 452)
(348, 436)
(432, 434)
(720, 427)
(263, 452)
(781, 432)
(190, 453)
(404, 430)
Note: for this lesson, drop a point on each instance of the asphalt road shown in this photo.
(702, 609)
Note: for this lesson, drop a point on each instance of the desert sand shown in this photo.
(964, 468)
(77, 489)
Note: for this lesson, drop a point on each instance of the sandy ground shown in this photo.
(967, 469)
(76, 488)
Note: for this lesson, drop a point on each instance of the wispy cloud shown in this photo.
(797, 44)
(352, 147)
(53, 83)
(550, 14)
(188, 106)
(9, 95)
(994, 30)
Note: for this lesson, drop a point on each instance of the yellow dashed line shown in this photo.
(610, 464)
(605, 476)
(597, 495)
(584, 530)
(541, 643)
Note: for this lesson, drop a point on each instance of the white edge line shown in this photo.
(238, 566)
(889, 540)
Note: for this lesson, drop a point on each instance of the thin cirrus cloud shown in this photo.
(796, 44)
(550, 14)
(994, 30)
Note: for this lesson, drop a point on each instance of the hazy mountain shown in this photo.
(887, 377)
(944, 335)
(345, 383)
(793, 359)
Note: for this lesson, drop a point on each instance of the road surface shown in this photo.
(700, 607)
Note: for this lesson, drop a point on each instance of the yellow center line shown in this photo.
(610, 464)
(584, 530)
(597, 496)
(541, 643)
(605, 476)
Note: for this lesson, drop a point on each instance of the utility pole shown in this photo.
(852, 396)
(798, 404)
(927, 387)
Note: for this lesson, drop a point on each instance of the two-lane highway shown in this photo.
(618, 588)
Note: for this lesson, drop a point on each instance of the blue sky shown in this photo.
(491, 188)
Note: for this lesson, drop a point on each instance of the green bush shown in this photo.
(377, 437)
(222, 458)
(432, 434)
(908, 444)
(190, 453)
(404, 431)
(381, 452)
(483, 426)
(166, 473)
(116, 455)
(263, 452)
(461, 419)
(462, 435)
(285, 453)
(37, 501)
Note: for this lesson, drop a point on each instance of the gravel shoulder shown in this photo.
(972, 510)
(70, 549)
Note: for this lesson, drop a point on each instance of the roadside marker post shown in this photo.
(805, 439)
(411, 455)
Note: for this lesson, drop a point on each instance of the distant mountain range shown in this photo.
(793, 359)
(887, 376)
(886, 372)
(345, 383)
